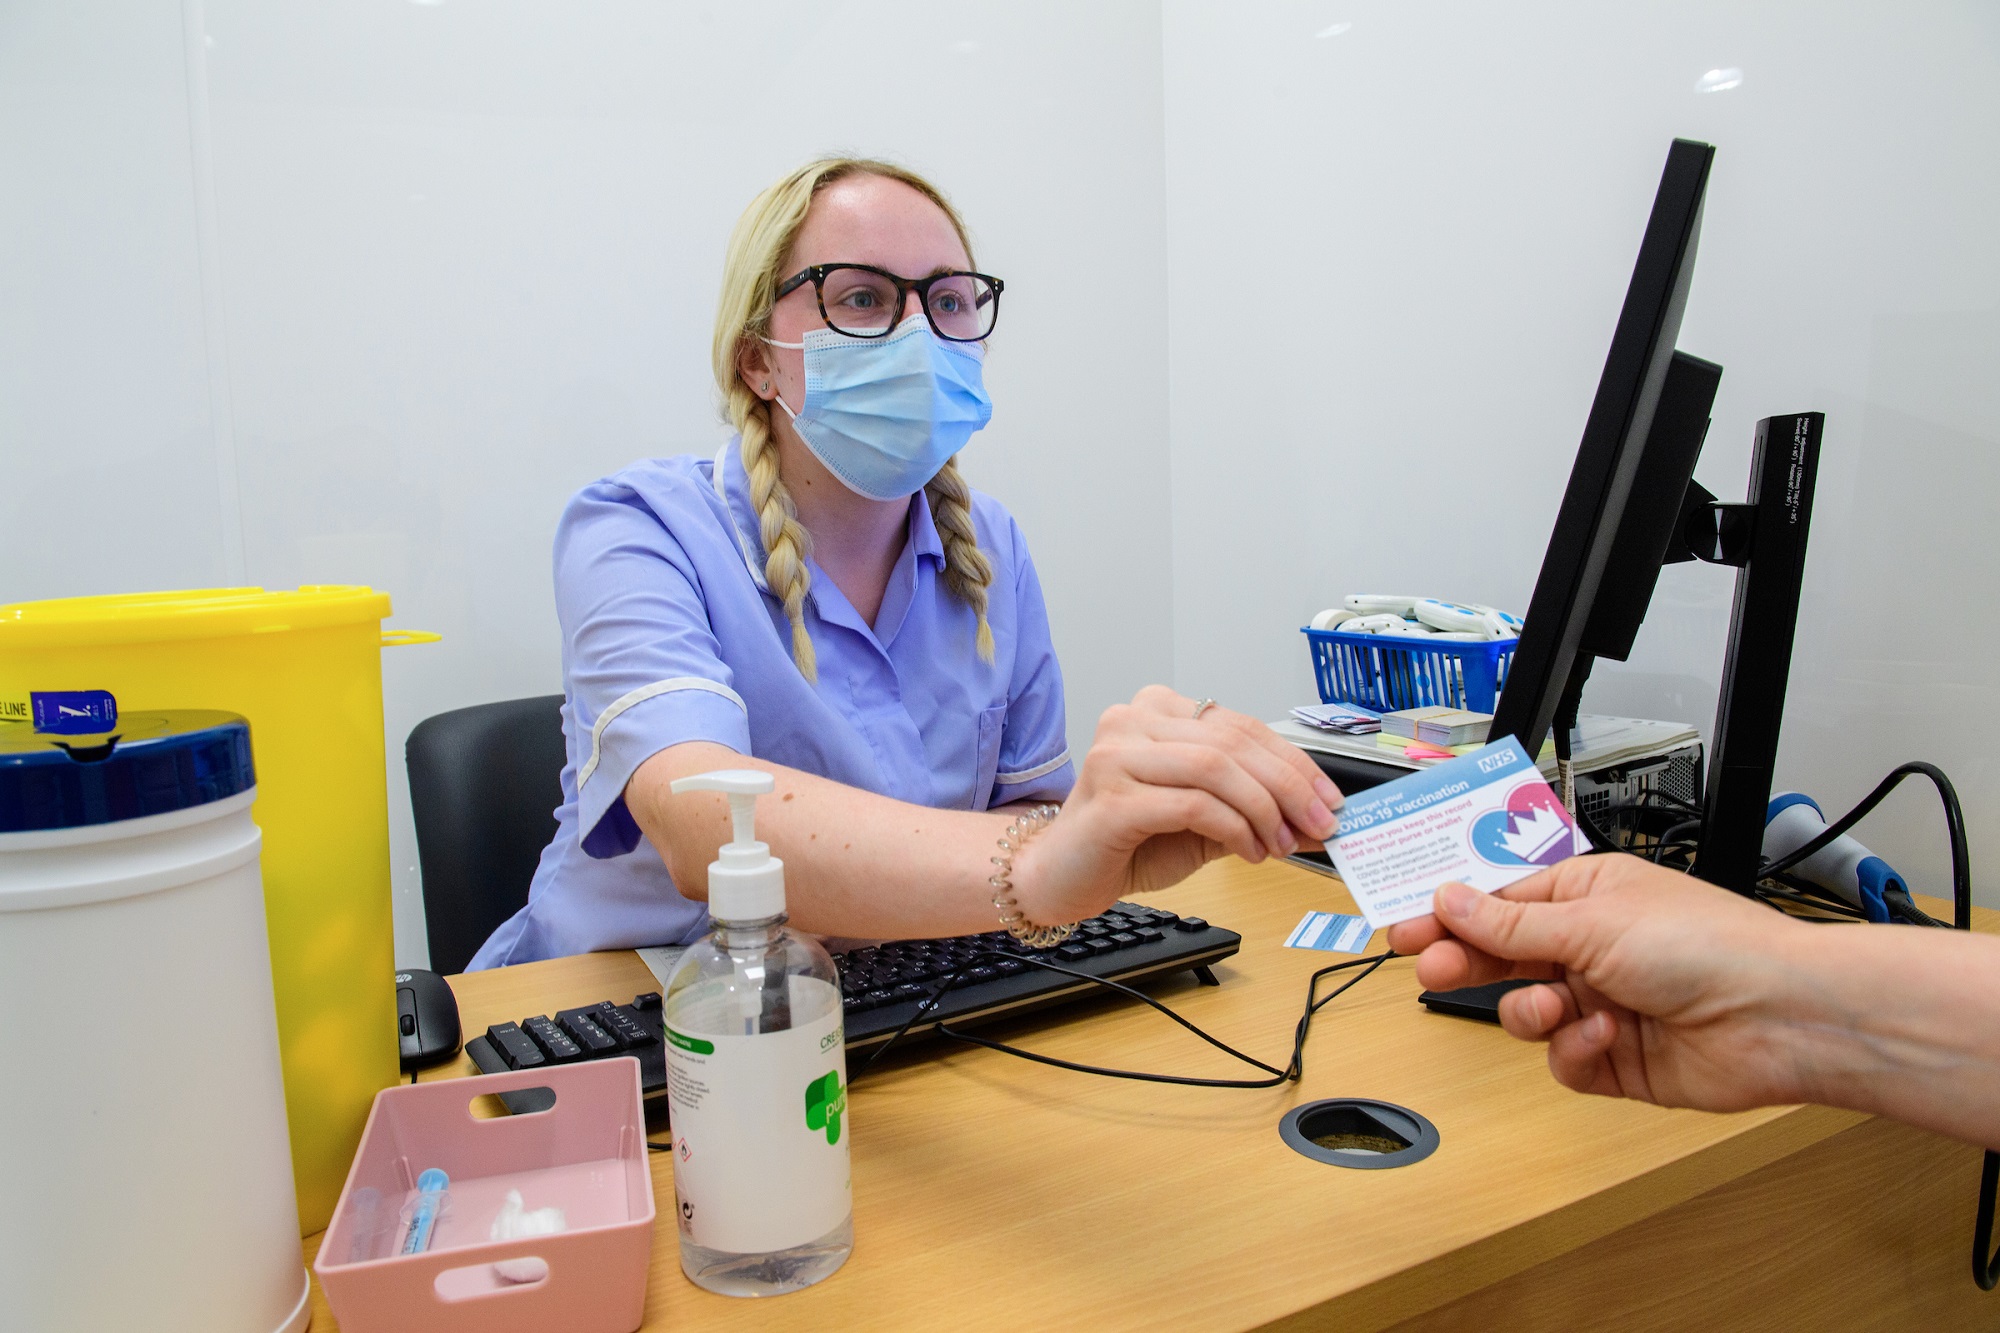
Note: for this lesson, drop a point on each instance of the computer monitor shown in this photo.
(1590, 523)
(1651, 532)
(1632, 505)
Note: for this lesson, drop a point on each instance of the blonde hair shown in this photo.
(758, 247)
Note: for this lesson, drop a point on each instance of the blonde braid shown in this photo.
(967, 571)
(786, 541)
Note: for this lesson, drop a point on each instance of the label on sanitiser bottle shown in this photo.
(760, 1126)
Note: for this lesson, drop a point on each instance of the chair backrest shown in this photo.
(484, 786)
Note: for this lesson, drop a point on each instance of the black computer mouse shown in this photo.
(426, 1018)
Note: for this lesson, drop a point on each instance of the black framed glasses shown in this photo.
(863, 301)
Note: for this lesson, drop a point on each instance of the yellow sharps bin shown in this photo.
(305, 668)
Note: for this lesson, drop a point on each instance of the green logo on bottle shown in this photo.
(826, 1103)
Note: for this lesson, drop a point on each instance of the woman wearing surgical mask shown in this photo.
(827, 600)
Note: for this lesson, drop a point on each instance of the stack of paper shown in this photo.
(1349, 719)
(1403, 722)
(1455, 726)
(1417, 749)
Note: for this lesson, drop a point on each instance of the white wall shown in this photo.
(1399, 237)
(468, 262)
(363, 292)
(107, 441)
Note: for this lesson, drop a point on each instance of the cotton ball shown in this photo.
(514, 1222)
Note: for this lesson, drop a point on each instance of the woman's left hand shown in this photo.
(1161, 793)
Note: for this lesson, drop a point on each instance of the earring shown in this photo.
(766, 388)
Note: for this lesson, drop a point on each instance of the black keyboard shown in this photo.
(881, 988)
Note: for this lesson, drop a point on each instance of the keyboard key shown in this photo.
(1100, 946)
(1124, 939)
(643, 1003)
(515, 1047)
(984, 972)
(1010, 967)
(552, 1039)
(1150, 936)
(629, 1031)
(1190, 923)
(907, 991)
(586, 1032)
(1072, 953)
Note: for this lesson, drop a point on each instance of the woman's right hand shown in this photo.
(1163, 792)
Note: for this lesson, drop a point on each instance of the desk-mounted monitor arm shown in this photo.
(1765, 539)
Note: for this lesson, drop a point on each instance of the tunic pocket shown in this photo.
(986, 755)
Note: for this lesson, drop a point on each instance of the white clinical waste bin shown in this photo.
(145, 1169)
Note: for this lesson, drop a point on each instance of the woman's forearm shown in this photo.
(856, 863)
(1901, 1022)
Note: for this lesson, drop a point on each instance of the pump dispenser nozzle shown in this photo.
(745, 882)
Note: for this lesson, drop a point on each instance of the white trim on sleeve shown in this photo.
(639, 696)
(1030, 774)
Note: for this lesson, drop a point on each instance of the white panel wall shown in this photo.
(469, 257)
(107, 444)
(1399, 237)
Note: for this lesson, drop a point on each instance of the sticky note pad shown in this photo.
(1485, 819)
(1334, 932)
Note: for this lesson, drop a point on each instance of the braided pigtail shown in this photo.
(786, 541)
(967, 571)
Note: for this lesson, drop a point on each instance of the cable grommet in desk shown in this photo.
(1358, 1132)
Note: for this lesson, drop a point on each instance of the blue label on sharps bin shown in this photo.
(74, 712)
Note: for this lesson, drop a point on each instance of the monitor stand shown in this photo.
(1765, 539)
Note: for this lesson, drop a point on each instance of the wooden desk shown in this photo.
(988, 1187)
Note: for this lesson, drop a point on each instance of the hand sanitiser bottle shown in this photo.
(756, 1079)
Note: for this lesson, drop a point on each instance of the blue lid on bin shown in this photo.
(148, 764)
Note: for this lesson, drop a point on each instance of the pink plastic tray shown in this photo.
(585, 1155)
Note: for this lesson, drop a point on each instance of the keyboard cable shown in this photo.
(1274, 1076)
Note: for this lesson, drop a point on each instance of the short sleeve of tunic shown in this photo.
(643, 667)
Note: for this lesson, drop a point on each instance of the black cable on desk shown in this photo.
(1292, 1071)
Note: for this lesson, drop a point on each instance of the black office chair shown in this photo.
(484, 784)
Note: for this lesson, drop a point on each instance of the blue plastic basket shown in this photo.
(1387, 672)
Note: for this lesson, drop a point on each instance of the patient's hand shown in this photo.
(1661, 987)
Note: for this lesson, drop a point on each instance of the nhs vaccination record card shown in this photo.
(1485, 819)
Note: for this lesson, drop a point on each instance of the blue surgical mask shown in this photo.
(884, 414)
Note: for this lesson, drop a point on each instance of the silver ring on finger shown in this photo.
(1203, 707)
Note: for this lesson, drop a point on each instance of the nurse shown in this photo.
(827, 600)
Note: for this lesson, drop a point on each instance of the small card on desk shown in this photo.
(1485, 819)
(1334, 932)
